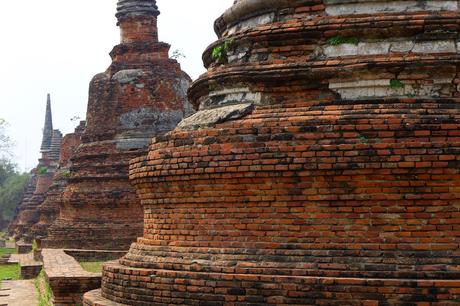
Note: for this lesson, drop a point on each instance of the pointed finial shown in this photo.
(48, 128)
(136, 8)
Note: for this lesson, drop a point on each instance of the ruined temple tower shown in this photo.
(322, 168)
(49, 209)
(41, 179)
(141, 95)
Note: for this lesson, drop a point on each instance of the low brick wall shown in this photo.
(29, 271)
(67, 279)
(29, 267)
(23, 248)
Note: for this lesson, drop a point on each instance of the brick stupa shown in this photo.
(49, 209)
(141, 95)
(40, 182)
(321, 169)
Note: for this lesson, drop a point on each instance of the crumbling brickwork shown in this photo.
(322, 167)
(49, 209)
(42, 177)
(141, 95)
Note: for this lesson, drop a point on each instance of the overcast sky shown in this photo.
(57, 46)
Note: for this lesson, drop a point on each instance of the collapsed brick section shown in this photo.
(40, 182)
(141, 95)
(296, 183)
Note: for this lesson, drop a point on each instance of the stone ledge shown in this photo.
(94, 298)
(67, 279)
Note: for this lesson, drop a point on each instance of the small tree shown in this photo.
(5, 141)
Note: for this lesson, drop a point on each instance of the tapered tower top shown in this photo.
(48, 128)
(136, 8)
(138, 20)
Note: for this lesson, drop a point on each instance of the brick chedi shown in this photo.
(41, 180)
(322, 168)
(141, 95)
(49, 209)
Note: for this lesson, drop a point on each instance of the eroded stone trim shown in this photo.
(230, 96)
(387, 47)
(252, 23)
(210, 117)
(364, 89)
(355, 7)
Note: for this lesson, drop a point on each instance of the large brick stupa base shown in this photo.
(322, 168)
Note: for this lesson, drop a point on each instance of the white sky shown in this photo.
(57, 46)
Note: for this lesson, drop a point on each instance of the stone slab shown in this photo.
(20, 293)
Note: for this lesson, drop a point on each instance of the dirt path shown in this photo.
(18, 293)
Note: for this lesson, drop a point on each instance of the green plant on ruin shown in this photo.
(42, 170)
(34, 245)
(177, 55)
(45, 294)
(340, 40)
(396, 84)
(220, 52)
(363, 140)
(66, 173)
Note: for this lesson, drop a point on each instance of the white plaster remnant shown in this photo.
(351, 90)
(341, 50)
(386, 47)
(128, 75)
(353, 7)
(231, 96)
(251, 23)
(435, 47)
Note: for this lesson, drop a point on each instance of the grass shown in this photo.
(5, 251)
(45, 294)
(9, 272)
(92, 266)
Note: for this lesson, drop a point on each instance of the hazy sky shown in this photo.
(57, 46)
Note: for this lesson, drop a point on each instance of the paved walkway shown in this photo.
(24, 259)
(18, 293)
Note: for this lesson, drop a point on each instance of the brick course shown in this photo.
(304, 195)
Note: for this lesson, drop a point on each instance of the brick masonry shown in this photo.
(28, 212)
(309, 197)
(49, 209)
(141, 95)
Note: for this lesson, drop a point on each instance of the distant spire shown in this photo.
(48, 129)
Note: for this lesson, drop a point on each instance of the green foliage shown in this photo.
(66, 173)
(6, 251)
(363, 139)
(12, 186)
(220, 52)
(5, 141)
(177, 55)
(339, 40)
(396, 84)
(34, 245)
(10, 272)
(42, 170)
(45, 294)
